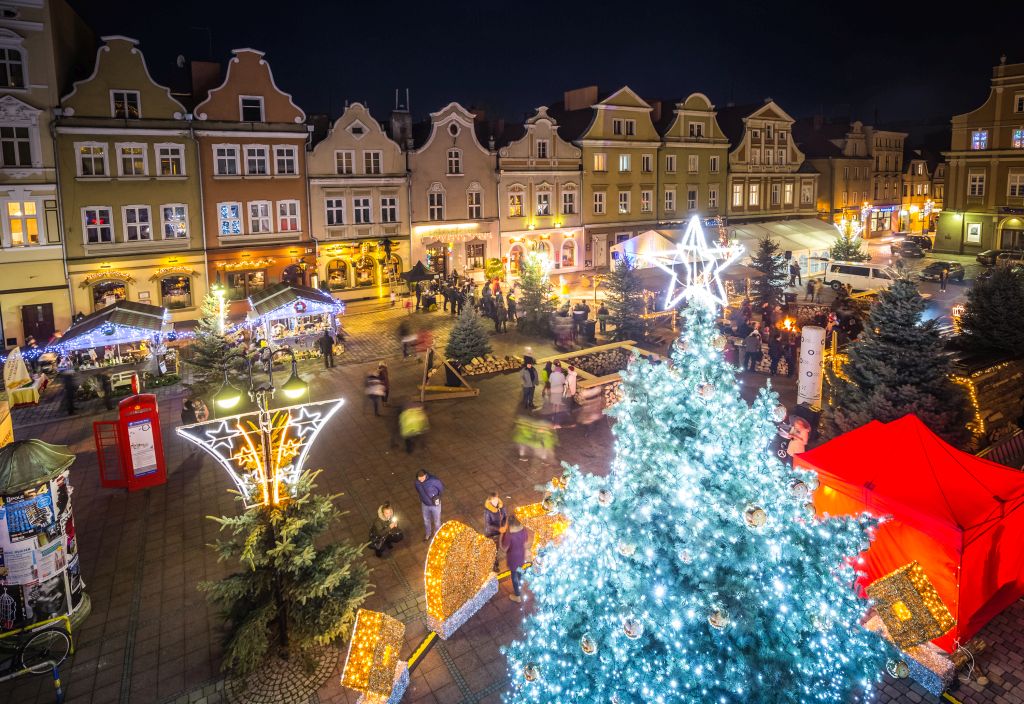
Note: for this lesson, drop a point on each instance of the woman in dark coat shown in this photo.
(514, 541)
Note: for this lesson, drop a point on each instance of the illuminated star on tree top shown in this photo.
(701, 275)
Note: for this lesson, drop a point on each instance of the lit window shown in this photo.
(285, 161)
(475, 204)
(670, 199)
(777, 192)
(600, 162)
(753, 194)
(176, 292)
(645, 201)
(256, 160)
(131, 159)
(124, 104)
(259, 217)
(475, 255)
(335, 211)
(344, 163)
(170, 160)
(979, 139)
(23, 223)
(251, 108)
(389, 209)
(435, 205)
(97, 225)
(598, 203)
(625, 162)
(92, 159)
(737, 195)
(1017, 141)
(288, 216)
(543, 204)
(137, 225)
(806, 193)
(454, 161)
(787, 194)
(624, 205)
(12, 69)
(361, 211)
(225, 160)
(371, 162)
(229, 217)
(15, 146)
(515, 205)
(174, 221)
(568, 253)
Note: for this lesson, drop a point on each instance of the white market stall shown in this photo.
(807, 239)
(125, 333)
(288, 314)
(645, 247)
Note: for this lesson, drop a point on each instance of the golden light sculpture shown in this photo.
(910, 607)
(458, 576)
(546, 527)
(372, 666)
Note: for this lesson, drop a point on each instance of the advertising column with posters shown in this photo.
(40, 576)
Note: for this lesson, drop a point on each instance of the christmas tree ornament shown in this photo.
(685, 557)
(897, 669)
(706, 391)
(680, 345)
(809, 510)
(626, 549)
(812, 481)
(718, 343)
(799, 488)
(755, 517)
(531, 673)
(632, 627)
(548, 503)
(780, 413)
(604, 497)
(615, 698)
(719, 619)
(588, 645)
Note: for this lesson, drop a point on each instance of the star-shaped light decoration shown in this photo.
(701, 280)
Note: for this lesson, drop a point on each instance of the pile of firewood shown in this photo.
(491, 363)
(602, 363)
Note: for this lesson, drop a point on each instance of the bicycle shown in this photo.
(37, 649)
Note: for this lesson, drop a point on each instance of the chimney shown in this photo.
(656, 111)
(580, 98)
(205, 77)
(401, 126)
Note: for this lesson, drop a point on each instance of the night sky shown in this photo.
(883, 63)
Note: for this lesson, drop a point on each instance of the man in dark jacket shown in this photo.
(326, 345)
(430, 489)
(495, 521)
(384, 531)
(528, 377)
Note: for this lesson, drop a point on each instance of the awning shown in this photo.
(290, 301)
(117, 324)
(643, 247)
(417, 273)
(804, 235)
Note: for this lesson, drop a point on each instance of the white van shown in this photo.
(862, 276)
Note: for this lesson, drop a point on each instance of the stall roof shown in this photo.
(141, 317)
(806, 234)
(279, 295)
(644, 246)
(417, 273)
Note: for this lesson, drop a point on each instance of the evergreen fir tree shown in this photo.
(696, 570)
(849, 246)
(291, 595)
(897, 366)
(209, 354)
(768, 287)
(625, 299)
(468, 338)
(994, 315)
(534, 304)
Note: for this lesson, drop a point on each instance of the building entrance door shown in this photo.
(600, 250)
(38, 320)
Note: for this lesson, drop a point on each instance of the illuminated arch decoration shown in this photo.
(236, 442)
(457, 576)
(372, 666)
(547, 527)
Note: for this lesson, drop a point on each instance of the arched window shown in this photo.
(515, 258)
(393, 267)
(454, 161)
(364, 269)
(543, 247)
(337, 274)
(293, 275)
(568, 254)
(108, 292)
(176, 291)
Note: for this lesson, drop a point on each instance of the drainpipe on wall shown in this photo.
(309, 210)
(59, 112)
(202, 203)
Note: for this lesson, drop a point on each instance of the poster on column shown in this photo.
(29, 512)
(143, 447)
(17, 563)
(77, 586)
(44, 600)
(50, 559)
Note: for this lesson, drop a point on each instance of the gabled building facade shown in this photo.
(453, 194)
(41, 45)
(984, 180)
(885, 147)
(917, 205)
(692, 163)
(768, 178)
(252, 146)
(129, 189)
(358, 201)
(838, 152)
(539, 190)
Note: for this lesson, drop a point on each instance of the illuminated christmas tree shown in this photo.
(696, 570)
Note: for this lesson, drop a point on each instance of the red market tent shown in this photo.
(961, 517)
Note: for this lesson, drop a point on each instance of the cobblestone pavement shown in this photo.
(152, 638)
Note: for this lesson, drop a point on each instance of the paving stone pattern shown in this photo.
(152, 637)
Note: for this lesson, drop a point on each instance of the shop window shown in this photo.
(437, 258)
(364, 269)
(176, 292)
(106, 293)
(568, 254)
(293, 275)
(475, 255)
(242, 284)
(337, 275)
(515, 258)
(393, 267)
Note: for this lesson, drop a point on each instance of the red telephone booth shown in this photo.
(130, 449)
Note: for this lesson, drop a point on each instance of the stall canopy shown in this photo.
(289, 301)
(26, 463)
(959, 516)
(808, 239)
(117, 324)
(417, 273)
(645, 247)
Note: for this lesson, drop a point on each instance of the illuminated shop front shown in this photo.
(560, 247)
(363, 269)
(462, 247)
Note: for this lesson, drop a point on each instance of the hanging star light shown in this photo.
(701, 278)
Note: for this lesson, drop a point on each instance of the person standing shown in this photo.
(495, 522)
(570, 384)
(752, 347)
(943, 278)
(500, 315)
(776, 347)
(394, 298)
(384, 531)
(70, 381)
(326, 345)
(511, 300)
(809, 290)
(107, 386)
(514, 541)
(818, 286)
(429, 489)
(419, 293)
(528, 376)
(374, 391)
(557, 380)
(602, 317)
(385, 379)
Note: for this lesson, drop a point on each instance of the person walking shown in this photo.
(429, 489)
(419, 294)
(412, 423)
(512, 315)
(528, 377)
(405, 336)
(752, 347)
(385, 379)
(326, 345)
(809, 290)
(374, 391)
(818, 287)
(776, 347)
(495, 522)
(557, 381)
(943, 278)
(545, 382)
(602, 317)
(394, 298)
(384, 531)
(513, 542)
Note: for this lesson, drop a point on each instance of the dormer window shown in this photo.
(697, 129)
(357, 129)
(542, 149)
(125, 104)
(454, 161)
(251, 108)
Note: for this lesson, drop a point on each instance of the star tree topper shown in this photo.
(700, 278)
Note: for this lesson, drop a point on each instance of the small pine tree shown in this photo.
(534, 305)
(849, 246)
(494, 269)
(897, 366)
(625, 299)
(291, 595)
(994, 315)
(768, 287)
(468, 338)
(209, 354)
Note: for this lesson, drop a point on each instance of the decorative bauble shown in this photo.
(530, 672)
(604, 497)
(811, 481)
(615, 699)
(626, 549)
(755, 517)
(809, 510)
(898, 669)
(172, 336)
(706, 391)
(685, 557)
(548, 504)
(632, 627)
(718, 619)
(588, 644)
(108, 329)
(718, 343)
(799, 488)
(779, 413)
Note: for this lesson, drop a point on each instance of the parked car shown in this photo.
(862, 276)
(987, 274)
(923, 241)
(1009, 257)
(990, 256)
(933, 271)
(906, 248)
